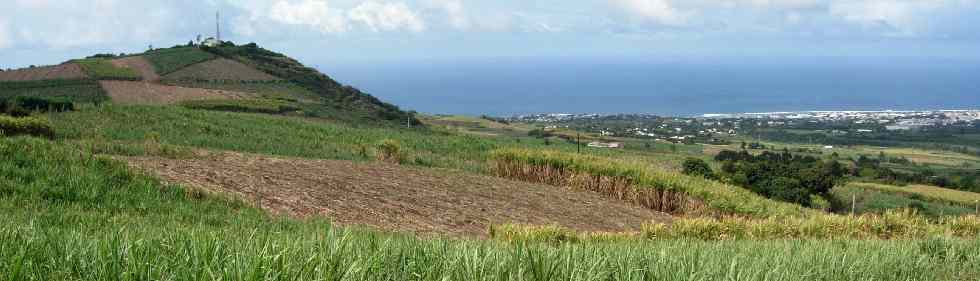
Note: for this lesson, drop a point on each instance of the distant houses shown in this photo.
(614, 145)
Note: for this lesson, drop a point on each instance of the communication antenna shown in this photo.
(217, 25)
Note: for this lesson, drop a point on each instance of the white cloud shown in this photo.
(903, 16)
(661, 12)
(454, 11)
(314, 13)
(386, 17)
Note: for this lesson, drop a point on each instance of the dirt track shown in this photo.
(141, 92)
(63, 71)
(396, 198)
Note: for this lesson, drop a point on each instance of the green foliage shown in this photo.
(166, 61)
(335, 94)
(781, 176)
(242, 105)
(31, 126)
(23, 106)
(698, 168)
(103, 69)
(82, 90)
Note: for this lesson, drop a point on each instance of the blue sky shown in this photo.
(389, 31)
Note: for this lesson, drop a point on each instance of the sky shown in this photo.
(324, 32)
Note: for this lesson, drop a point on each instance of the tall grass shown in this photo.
(68, 215)
(103, 69)
(870, 200)
(281, 135)
(635, 182)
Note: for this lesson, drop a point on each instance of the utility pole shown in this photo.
(578, 142)
(853, 203)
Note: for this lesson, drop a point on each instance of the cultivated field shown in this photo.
(62, 71)
(167, 61)
(926, 192)
(141, 65)
(395, 198)
(71, 216)
(133, 92)
(220, 69)
(85, 91)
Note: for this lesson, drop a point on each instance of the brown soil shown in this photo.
(139, 64)
(396, 198)
(221, 69)
(63, 71)
(130, 92)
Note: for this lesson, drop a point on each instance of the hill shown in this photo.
(238, 75)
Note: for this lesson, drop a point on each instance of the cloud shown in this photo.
(314, 13)
(455, 12)
(661, 12)
(386, 17)
(900, 16)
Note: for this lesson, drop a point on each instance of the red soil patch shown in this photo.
(396, 198)
(139, 64)
(62, 71)
(221, 69)
(131, 92)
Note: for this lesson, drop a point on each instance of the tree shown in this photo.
(697, 167)
(743, 145)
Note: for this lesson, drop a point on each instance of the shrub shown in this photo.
(390, 151)
(22, 106)
(10, 126)
(699, 168)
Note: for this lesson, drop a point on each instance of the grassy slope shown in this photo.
(82, 90)
(287, 136)
(871, 200)
(929, 193)
(70, 216)
(345, 99)
(102, 69)
(166, 61)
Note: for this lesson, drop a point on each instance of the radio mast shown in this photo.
(217, 26)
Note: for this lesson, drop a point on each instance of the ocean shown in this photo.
(667, 86)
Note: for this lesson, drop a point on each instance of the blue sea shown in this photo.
(667, 86)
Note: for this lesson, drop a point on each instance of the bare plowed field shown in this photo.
(220, 69)
(139, 64)
(396, 198)
(63, 71)
(135, 92)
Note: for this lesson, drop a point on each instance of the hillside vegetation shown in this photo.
(338, 96)
(166, 61)
(72, 216)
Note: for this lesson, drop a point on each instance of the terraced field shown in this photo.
(132, 92)
(220, 69)
(169, 60)
(73, 90)
(141, 65)
(62, 71)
